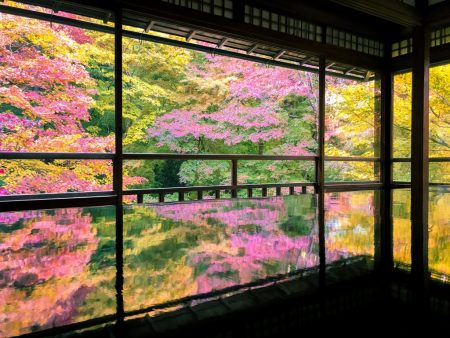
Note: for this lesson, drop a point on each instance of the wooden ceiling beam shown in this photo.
(149, 26)
(438, 15)
(392, 11)
(326, 12)
(280, 54)
(196, 20)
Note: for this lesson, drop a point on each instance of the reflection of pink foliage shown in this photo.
(8, 218)
(26, 250)
(41, 261)
(254, 246)
(341, 204)
(250, 254)
(249, 251)
(41, 311)
(262, 247)
(263, 212)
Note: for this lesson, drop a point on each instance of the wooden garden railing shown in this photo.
(73, 199)
(235, 187)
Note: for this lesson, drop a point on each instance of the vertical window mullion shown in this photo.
(118, 161)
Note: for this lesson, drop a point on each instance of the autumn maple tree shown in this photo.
(47, 95)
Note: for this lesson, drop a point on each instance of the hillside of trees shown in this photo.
(57, 95)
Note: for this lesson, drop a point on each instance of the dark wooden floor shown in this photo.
(353, 302)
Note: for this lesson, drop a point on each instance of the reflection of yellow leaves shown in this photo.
(145, 287)
(221, 248)
(24, 310)
(402, 242)
(439, 232)
(355, 230)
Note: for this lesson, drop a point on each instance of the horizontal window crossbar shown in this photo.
(430, 159)
(176, 189)
(168, 156)
(352, 159)
(345, 186)
(57, 202)
(439, 184)
(174, 156)
(400, 185)
(276, 185)
(439, 159)
(156, 156)
(398, 159)
(49, 196)
(431, 184)
(56, 156)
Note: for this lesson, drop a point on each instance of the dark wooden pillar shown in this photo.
(383, 228)
(118, 161)
(234, 178)
(320, 168)
(419, 164)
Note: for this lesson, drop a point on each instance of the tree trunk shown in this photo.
(260, 147)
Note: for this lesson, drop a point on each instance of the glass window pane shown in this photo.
(439, 234)
(402, 115)
(180, 249)
(183, 101)
(255, 172)
(351, 171)
(401, 215)
(438, 250)
(177, 173)
(439, 112)
(56, 87)
(439, 172)
(55, 176)
(352, 118)
(349, 224)
(401, 171)
(57, 267)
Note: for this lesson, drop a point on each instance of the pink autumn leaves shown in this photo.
(232, 125)
(52, 89)
(250, 112)
(47, 90)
